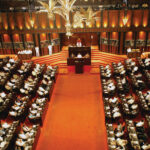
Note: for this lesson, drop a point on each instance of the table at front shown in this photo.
(71, 61)
(24, 56)
(85, 52)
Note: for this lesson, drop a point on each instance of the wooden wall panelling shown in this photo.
(7, 44)
(7, 20)
(58, 18)
(148, 42)
(101, 21)
(22, 44)
(108, 42)
(6, 38)
(132, 15)
(66, 41)
(36, 39)
(29, 41)
(104, 42)
(24, 21)
(146, 39)
(42, 20)
(1, 43)
(1, 26)
(54, 23)
(1, 22)
(120, 42)
(108, 18)
(20, 20)
(118, 18)
(145, 18)
(85, 39)
(39, 45)
(13, 48)
(135, 38)
(98, 20)
(48, 25)
(105, 18)
(71, 17)
(49, 37)
(111, 47)
(93, 25)
(35, 20)
(15, 21)
(129, 41)
(43, 37)
(142, 17)
(114, 42)
(27, 21)
(137, 18)
(35, 44)
(122, 15)
(123, 50)
(113, 18)
(23, 40)
(61, 26)
(51, 24)
(16, 37)
(63, 22)
(43, 44)
(98, 38)
(28, 37)
(16, 42)
(148, 18)
(129, 17)
(141, 38)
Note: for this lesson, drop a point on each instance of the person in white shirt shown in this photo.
(37, 51)
(79, 44)
(50, 49)
(79, 56)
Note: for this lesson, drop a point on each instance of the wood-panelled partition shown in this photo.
(21, 30)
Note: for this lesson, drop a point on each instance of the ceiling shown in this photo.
(23, 5)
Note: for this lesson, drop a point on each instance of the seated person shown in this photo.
(87, 55)
(72, 55)
(79, 55)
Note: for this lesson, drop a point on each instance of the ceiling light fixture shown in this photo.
(66, 6)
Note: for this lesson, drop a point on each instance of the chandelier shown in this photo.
(64, 8)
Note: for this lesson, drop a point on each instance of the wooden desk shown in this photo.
(134, 53)
(24, 56)
(84, 51)
(79, 66)
(71, 61)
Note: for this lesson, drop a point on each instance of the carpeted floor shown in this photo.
(75, 118)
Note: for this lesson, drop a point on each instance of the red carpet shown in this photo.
(75, 118)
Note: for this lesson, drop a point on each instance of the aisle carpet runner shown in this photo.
(75, 117)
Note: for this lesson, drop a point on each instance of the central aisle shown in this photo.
(75, 117)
